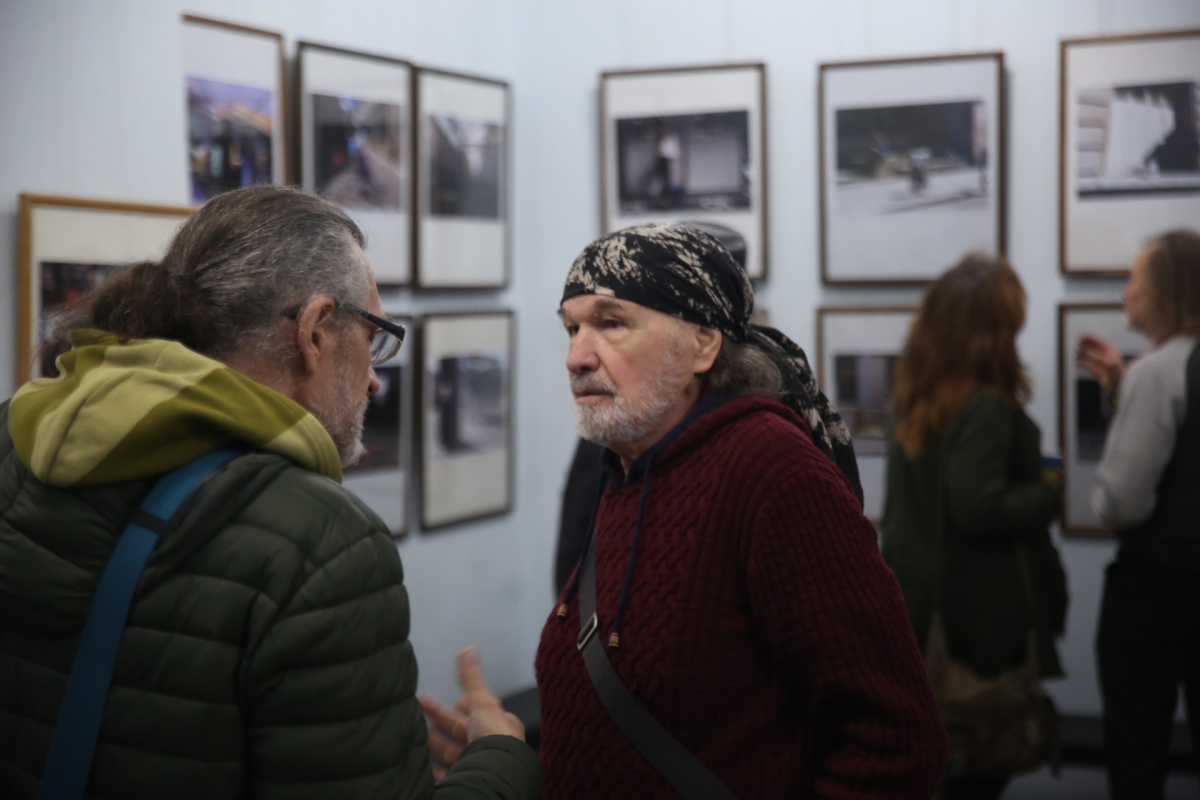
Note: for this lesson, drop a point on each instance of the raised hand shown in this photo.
(476, 714)
(1102, 360)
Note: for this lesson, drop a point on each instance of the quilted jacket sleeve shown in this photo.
(330, 687)
(982, 499)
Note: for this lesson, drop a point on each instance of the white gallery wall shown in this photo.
(91, 104)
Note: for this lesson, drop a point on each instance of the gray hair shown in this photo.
(231, 271)
(744, 369)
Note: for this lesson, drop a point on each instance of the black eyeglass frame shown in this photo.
(394, 328)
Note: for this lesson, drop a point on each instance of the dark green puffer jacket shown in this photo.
(266, 654)
(995, 498)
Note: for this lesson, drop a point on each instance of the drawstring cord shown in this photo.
(572, 587)
(708, 403)
(614, 639)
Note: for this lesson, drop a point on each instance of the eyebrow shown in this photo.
(608, 305)
(601, 305)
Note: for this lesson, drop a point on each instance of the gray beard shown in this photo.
(625, 420)
(341, 417)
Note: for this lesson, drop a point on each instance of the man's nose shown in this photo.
(581, 355)
(373, 384)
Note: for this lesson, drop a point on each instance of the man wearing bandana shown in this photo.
(738, 591)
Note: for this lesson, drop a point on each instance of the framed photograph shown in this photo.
(381, 476)
(463, 125)
(67, 246)
(857, 353)
(1129, 132)
(688, 145)
(912, 166)
(1084, 409)
(466, 416)
(356, 146)
(234, 84)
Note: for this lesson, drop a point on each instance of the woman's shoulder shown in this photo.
(987, 403)
(990, 413)
(1169, 357)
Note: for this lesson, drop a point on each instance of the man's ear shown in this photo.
(708, 345)
(313, 333)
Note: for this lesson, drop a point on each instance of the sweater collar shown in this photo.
(654, 454)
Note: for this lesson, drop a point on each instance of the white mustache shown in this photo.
(592, 383)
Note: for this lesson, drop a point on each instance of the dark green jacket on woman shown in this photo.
(995, 498)
(267, 652)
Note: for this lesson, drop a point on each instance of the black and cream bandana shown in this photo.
(686, 273)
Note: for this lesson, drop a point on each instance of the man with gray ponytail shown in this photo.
(266, 650)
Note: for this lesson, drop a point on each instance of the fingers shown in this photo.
(470, 676)
(445, 718)
(463, 704)
(443, 748)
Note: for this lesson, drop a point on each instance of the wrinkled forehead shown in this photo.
(582, 306)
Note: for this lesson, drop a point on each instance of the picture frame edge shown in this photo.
(298, 125)
(417, 281)
(1001, 219)
(419, 427)
(824, 311)
(606, 223)
(1064, 268)
(27, 202)
(288, 168)
(1064, 308)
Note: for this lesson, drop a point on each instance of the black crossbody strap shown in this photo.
(671, 759)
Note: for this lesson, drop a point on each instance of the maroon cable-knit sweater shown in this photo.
(763, 629)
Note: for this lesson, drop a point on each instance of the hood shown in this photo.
(711, 413)
(125, 409)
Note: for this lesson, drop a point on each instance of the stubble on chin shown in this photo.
(342, 412)
(624, 419)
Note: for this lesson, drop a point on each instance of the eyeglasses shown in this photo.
(386, 338)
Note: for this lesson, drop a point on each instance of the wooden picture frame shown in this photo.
(383, 477)
(466, 455)
(355, 132)
(462, 237)
(1084, 409)
(716, 113)
(1123, 176)
(66, 245)
(242, 70)
(871, 339)
(939, 121)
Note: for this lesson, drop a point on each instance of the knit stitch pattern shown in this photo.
(763, 629)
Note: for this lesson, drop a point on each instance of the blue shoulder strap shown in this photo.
(70, 758)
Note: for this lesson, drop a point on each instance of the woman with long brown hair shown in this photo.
(966, 498)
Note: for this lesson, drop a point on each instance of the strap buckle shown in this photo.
(589, 630)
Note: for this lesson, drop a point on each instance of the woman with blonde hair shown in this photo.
(967, 509)
(1148, 642)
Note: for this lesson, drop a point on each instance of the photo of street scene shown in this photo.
(1138, 140)
(912, 158)
(692, 161)
(863, 385)
(229, 136)
(63, 283)
(1094, 410)
(357, 147)
(470, 406)
(464, 168)
(381, 426)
